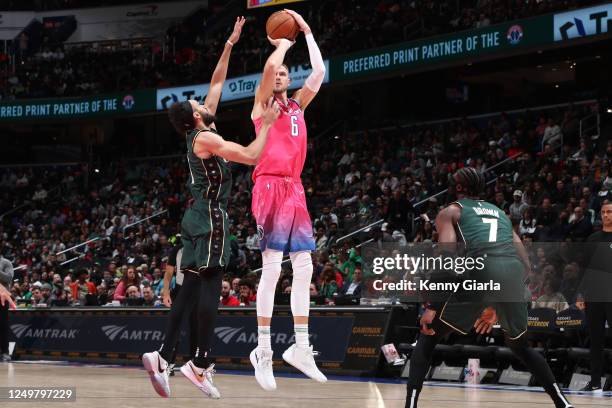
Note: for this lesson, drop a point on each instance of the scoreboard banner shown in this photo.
(461, 47)
(266, 3)
(82, 107)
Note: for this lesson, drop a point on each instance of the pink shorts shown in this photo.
(283, 222)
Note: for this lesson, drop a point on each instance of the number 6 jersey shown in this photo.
(285, 151)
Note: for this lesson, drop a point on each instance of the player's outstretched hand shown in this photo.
(235, 36)
(300, 20)
(271, 111)
(5, 297)
(426, 320)
(485, 322)
(281, 41)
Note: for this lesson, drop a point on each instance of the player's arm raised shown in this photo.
(210, 142)
(273, 63)
(220, 73)
(306, 94)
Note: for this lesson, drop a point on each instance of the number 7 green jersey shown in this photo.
(484, 226)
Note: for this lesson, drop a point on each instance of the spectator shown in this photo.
(132, 292)
(46, 293)
(247, 293)
(552, 297)
(158, 281)
(579, 226)
(226, 298)
(353, 287)
(252, 240)
(149, 296)
(500, 201)
(235, 287)
(546, 214)
(552, 133)
(82, 287)
(527, 226)
(129, 279)
(37, 297)
(329, 287)
(320, 239)
(518, 207)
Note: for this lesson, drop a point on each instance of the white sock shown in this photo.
(301, 335)
(263, 338)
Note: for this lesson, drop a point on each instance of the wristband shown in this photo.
(230, 43)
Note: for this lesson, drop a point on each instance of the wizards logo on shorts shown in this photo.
(515, 34)
(128, 102)
(260, 232)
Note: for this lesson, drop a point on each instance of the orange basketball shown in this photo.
(282, 25)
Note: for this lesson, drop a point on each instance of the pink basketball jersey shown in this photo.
(285, 151)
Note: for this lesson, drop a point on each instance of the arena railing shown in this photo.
(472, 117)
(417, 204)
(590, 126)
(89, 241)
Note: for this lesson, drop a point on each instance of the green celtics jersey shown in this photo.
(485, 227)
(209, 179)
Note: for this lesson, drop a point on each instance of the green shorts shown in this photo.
(463, 308)
(205, 236)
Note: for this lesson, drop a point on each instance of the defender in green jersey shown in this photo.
(204, 229)
(486, 232)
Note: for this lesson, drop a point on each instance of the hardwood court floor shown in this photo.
(127, 387)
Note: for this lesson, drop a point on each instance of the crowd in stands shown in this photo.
(46, 5)
(552, 193)
(190, 50)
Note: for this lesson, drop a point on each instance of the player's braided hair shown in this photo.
(472, 181)
(181, 117)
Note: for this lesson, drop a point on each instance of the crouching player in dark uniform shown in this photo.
(480, 225)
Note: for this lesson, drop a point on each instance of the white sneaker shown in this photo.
(302, 358)
(157, 368)
(203, 381)
(262, 362)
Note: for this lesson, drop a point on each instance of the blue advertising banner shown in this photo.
(237, 336)
(345, 340)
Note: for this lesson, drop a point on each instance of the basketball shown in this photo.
(282, 25)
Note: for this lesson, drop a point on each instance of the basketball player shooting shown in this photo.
(204, 228)
(279, 206)
(480, 224)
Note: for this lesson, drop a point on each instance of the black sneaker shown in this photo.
(171, 369)
(590, 387)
